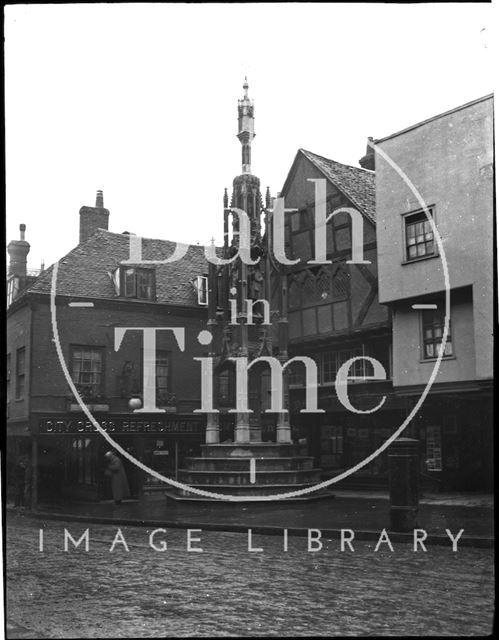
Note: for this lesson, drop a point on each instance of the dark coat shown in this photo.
(119, 482)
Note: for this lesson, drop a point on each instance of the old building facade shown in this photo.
(96, 291)
(334, 313)
(377, 294)
(434, 201)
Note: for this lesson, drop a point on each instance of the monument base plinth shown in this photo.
(248, 472)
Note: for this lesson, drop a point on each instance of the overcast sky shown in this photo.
(140, 100)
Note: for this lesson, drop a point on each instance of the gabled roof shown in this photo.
(85, 271)
(357, 184)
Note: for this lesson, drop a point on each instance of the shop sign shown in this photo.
(169, 425)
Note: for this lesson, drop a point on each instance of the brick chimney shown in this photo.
(367, 161)
(18, 252)
(93, 218)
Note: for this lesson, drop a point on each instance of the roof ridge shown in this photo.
(355, 183)
(343, 164)
(115, 233)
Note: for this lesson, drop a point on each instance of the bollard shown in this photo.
(403, 457)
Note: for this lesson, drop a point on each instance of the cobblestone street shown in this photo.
(228, 591)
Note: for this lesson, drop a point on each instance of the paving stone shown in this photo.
(228, 591)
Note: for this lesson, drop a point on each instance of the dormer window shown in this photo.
(202, 289)
(138, 283)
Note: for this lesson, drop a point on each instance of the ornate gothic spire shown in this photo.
(246, 124)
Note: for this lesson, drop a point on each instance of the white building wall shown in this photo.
(449, 161)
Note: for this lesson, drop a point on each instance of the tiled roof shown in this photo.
(356, 183)
(85, 271)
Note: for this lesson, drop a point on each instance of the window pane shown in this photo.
(433, 328)
(86, 367)
(130, 284)
(144, 288)
(162, 373)
(419, 236)
(328, 366)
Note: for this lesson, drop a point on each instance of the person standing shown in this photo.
(119, 482)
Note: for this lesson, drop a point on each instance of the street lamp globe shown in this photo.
(135, 403)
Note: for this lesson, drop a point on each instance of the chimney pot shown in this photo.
(93, 218)
(18, 253)
(368, 161)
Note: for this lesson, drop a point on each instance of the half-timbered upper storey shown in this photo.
(337, 299)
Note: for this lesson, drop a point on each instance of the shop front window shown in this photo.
(433, 448)
(81, 464)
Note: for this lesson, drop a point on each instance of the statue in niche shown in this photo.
(256, 284)
(129, 384)
(234, 280)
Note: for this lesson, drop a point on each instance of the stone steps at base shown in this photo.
(249, 489)
(249, 450)
(242, 463)
(189, 497)
(243, 478)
